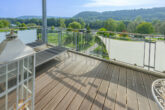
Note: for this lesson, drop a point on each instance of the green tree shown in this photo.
(54, 22)
(138, 20)
(133, 24)
(162, 28)
(18, 24)
(96, 24)
(75, 25)
(23, 25)
(33, 21)
(4, 23)
(31, 25)
(156, 24)
(1, 25)
(83, 25)
(145, 28)
(121, 26)
(81, 21)
(131, 27)
(88, 28)
(110, 25)
(52, 28)
(102, 31)
(62, 23)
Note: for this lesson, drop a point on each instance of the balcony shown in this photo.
(79, 70)
(75, 82)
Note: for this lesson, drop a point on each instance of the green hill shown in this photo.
(146, 14)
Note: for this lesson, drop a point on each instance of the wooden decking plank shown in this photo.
(102, 91)
(45, 100)
(12, 95)
(54, 70)
(40, 71)
(11, 100)
(47, 79)
(69, 97)
(2, 103)
(121, 91)
(75, 104)
(109, 78)
(141, 93)
(110, 100)
(67, 86)
(44, 75)
(48, 97)
(61, 65)
(47, 89)
(132, 101)
(75, 91)
(52, 84)
(43, 72)
(89, 98)
(58, 97)
(148, 83)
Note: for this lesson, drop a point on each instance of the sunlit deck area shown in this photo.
(108, 60)
(76, 82)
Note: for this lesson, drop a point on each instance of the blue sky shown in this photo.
(68, 8)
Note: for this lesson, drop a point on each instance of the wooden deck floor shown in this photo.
(81, 83)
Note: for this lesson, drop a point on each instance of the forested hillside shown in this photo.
(145, 21)
(146, 14)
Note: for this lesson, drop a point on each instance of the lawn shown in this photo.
(53, 38)
(68, 40)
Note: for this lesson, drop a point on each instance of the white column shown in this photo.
(44, 22)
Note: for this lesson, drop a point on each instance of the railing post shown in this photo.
(75, 35)
(59, 37)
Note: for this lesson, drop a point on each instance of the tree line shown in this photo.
(137, 25)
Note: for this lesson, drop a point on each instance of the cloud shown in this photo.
(124, 3)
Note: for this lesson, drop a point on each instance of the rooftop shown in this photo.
(73, 81)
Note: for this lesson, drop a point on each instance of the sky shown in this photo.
(69, 8)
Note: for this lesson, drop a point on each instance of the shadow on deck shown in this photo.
(77, 82)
